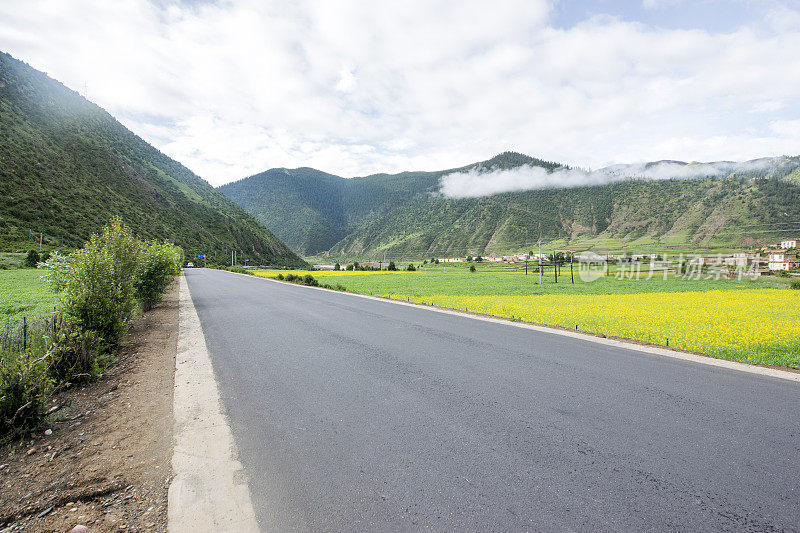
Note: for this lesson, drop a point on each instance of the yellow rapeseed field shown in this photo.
(758, 326)
(326, 273)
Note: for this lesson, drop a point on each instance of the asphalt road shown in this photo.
(354, 414)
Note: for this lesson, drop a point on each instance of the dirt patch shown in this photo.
(106, 464)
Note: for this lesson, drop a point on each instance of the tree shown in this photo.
(32, 259)
(391, 266)
(411, 268)
(472, 268)
(479, 259)
(337, 266)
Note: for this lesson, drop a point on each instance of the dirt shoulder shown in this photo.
(107, 463)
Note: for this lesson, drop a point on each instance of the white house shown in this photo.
(782, 261)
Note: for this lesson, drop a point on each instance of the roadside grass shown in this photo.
(752, 321)
(23, 293)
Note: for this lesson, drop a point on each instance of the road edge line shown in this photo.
(209, 490)
(675, 354)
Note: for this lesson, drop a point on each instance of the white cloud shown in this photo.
(479, 182)
(356, 87)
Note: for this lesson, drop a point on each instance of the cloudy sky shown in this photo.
(231, 88)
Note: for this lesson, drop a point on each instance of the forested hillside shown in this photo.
(67, 166)
(404, 214)
(312, 211)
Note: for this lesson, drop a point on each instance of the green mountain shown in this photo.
(312, 211)
(67, 166)
(723, 205)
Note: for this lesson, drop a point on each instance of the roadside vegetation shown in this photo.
(96, 290)
(750, 320)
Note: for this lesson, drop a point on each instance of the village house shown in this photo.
(789, 243)
(782, 261)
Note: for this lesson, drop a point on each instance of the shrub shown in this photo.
(25, 388)
(32, 259)
(411, 268)
(73, 356)
(337, 266)
(308, 279)
(57, 267)
(279, 277)
(472, 268)
(782, 274)
(99, 292)
(795, 284)
(158, 264)
(391, 266)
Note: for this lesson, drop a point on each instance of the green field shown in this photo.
(500, 280)
(754, 321)
(23, 293)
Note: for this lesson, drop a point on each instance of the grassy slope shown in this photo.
(67, 166)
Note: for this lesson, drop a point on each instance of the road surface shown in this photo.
(355, 414)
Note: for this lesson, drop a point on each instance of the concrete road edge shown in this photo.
(209, 490)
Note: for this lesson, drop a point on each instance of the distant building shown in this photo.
(789, 243)
(782, 261)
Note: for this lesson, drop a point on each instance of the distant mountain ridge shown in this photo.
(67, 166)
(725, 204)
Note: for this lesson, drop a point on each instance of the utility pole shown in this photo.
(231, 257)
(571, 261)
(555, 264)
(526, 267)
(540, 253)
(204, 260)
(40, 241)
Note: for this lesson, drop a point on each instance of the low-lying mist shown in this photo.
(481, 182)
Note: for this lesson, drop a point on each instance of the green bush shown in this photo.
(99, 292)
(158, 264)
(795, 284)
(101, 286)
(73, 355)
(391, 266)
(472, 268)
(279, 277)
(32, 259)
(411, 268)
(57, 267)
(25, 388)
